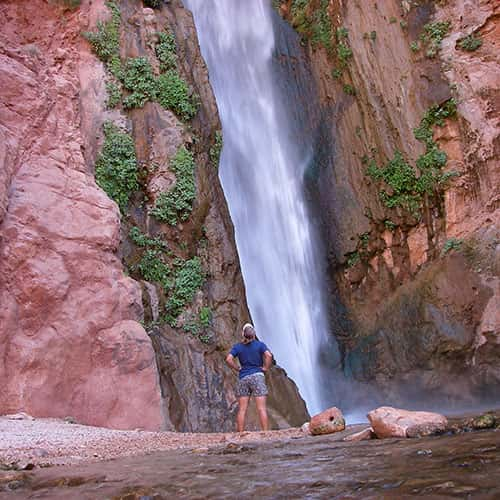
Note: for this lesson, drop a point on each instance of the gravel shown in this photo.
(26, 441)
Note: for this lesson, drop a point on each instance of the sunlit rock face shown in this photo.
(70, 341)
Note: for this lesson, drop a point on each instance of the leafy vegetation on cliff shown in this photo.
(133, 82)
(431, 37)
(180, 280)
(407, 185)
(313, 22)
(177, 203)
(136, 74)
(216, 149)
(166, 51)
(116, 166)
(470, 43)
(105, 41)
(188, 280)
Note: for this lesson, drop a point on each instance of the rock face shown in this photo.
(419, 294)
(327, 422)
(392, 422)
(71, 340)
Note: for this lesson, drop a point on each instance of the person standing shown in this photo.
(255, 359)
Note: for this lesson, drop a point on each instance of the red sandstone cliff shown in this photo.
(421, 292)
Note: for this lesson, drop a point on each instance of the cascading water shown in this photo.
(261, 171)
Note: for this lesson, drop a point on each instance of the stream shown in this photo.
(465, 465)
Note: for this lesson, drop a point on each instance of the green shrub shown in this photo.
(451, 244)
(321, 26)
(470, 43)
(138, 78)
(166, 51)
(435, 115)
(408, 188)
(400, 176)
(415, 46)
(114, 94)
(344, 53)
(188, 280)
(153, 268)
(116, 166)
(352, 258)
(173, 93)
(178, 202)
(389, 225)
(143, 240)
(197, 326)
(432, 35)
(393, 20)
(216, 149)
(313, 22)
(349, 89)
(336, 73)
(205, 317)
(106, 40)
(373, 35)
(342, 33)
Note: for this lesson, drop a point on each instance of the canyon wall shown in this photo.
(116, 313)
(406, 180)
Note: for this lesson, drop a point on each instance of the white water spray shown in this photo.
(261, 171)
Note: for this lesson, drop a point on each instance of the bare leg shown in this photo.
(260, 401)
(242, 410)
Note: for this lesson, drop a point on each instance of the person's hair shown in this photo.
(248, 333)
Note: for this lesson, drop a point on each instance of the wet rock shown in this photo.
(327, 422)
(236, 448)
(486, 421)
(363, 435)
(11, 477)
(395, 422)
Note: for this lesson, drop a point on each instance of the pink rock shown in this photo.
(305, 428)
(394, 422)
(327, 422)
(361, 435)
(70, 343)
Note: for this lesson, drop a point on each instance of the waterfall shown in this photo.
(261, 172)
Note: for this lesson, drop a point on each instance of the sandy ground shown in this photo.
(25, 441)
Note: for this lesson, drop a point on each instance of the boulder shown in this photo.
(394, 422)
(361, 435)
(327, 422)
(305, 428)
(486, 421)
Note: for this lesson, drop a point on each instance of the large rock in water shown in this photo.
(393, 422)
(327, 422)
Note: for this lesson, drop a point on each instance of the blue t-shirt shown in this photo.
(251, 357)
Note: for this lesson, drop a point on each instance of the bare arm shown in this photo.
(268, 359)
(231, 362)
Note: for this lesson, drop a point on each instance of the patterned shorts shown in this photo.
(252, 385)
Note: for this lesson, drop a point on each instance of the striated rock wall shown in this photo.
(78, 335)
(421, 289)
